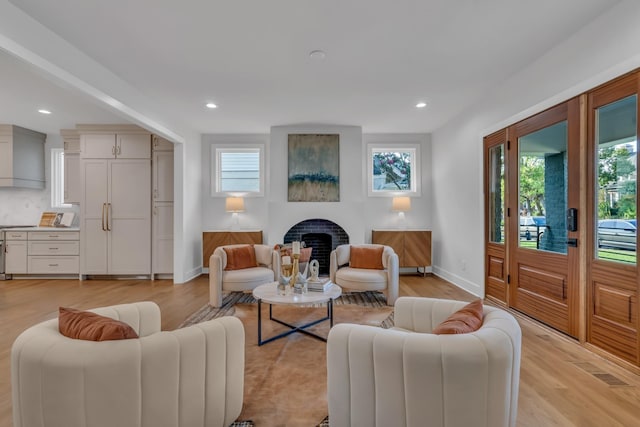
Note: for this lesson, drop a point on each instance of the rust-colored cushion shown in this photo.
(366, 257)
(467, 319)
(85, 325)
(240, 257)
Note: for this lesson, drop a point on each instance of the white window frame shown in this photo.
(57, 179)
(414, 150)
(216, 152)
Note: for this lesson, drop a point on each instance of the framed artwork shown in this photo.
(314, 168)
(393, 170)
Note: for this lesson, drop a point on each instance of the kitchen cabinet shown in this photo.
(115, 146)
(162, 183)
(21, 157)
(115, 216)
(16, 252)
(412, 246)
(71, 140)
(45, 251)
(53, 252)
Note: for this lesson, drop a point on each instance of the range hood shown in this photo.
(21, 157)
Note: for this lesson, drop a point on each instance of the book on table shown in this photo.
(320, 285)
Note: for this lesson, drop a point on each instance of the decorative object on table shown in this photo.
(314, 270)
(314, 168)
(300, 287)
(286, 270)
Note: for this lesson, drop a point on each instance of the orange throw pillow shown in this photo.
(364, 257)
(467, 319)
(85, 325)
(240, 257)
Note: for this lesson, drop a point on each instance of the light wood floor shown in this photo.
(561, 383)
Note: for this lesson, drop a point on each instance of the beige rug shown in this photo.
(286, 379)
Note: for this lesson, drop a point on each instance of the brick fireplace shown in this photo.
(320, 234)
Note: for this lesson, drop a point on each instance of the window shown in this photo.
(393, 170)
(237, 169)
(57, 179)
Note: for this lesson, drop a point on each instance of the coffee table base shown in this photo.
(293, 328)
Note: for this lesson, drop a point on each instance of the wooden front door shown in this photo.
(542, 240)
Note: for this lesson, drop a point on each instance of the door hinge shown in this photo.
(508, 212)
(508, 279)
(508, 144)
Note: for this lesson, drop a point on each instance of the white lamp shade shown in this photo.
(401, 204)
(234, 204)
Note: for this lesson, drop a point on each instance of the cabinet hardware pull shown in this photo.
(108, 216)
(54, 236)
(119, 150)
(53, 265)
(104, 205)
(113, 150)
(53, 249)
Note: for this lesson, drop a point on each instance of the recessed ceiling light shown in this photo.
(211, 105)
(421, 104)
(42, 111)
(318, 55)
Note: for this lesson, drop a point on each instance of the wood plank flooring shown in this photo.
(561, 383)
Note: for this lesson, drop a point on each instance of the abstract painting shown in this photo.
(314, 168)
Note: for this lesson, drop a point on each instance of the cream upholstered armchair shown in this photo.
(406, 376)
(189, 377)
(232, 268)
(344, 271)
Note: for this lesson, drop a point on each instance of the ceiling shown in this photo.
(252, 59)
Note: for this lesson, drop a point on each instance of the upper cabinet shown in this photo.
(121, 142)
(72, 190)
(21, 157)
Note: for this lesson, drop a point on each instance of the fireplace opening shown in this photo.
(321, 244)
(320, 234)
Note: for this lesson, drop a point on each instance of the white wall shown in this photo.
(23, 206)
(607, 47)
(357, 213)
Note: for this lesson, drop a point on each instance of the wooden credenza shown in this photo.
(212, 239)
(412, 246)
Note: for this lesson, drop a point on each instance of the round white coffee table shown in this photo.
(269, 294)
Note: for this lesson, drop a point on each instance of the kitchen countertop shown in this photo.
(41, 229)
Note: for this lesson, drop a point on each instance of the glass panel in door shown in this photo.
(496, 194)
(542, 189)
(615, 185)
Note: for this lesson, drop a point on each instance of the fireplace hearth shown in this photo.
(320, 234)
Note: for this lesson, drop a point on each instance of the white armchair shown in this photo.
(385, 279)
(245, 279)
(406, 376)
(189, 377)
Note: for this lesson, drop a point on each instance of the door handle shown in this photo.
(108, 216)
(104, 205)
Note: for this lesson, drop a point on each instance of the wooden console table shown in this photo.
(212, 239)
(412, 246)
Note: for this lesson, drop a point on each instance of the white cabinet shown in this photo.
(162, 206)
(116, 216)
(16, 252)
(115, 146)
(42, 252)
(163, 176)
(71, 140)
(53, 252)
(21, 157)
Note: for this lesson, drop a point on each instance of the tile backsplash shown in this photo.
(23, 206)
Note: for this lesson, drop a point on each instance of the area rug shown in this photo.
(286, 380)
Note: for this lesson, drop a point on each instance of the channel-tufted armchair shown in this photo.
(407, 376)
(189, 377)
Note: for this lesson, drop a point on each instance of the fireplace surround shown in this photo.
(320, 234)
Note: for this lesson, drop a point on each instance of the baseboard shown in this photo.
(458, 281)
